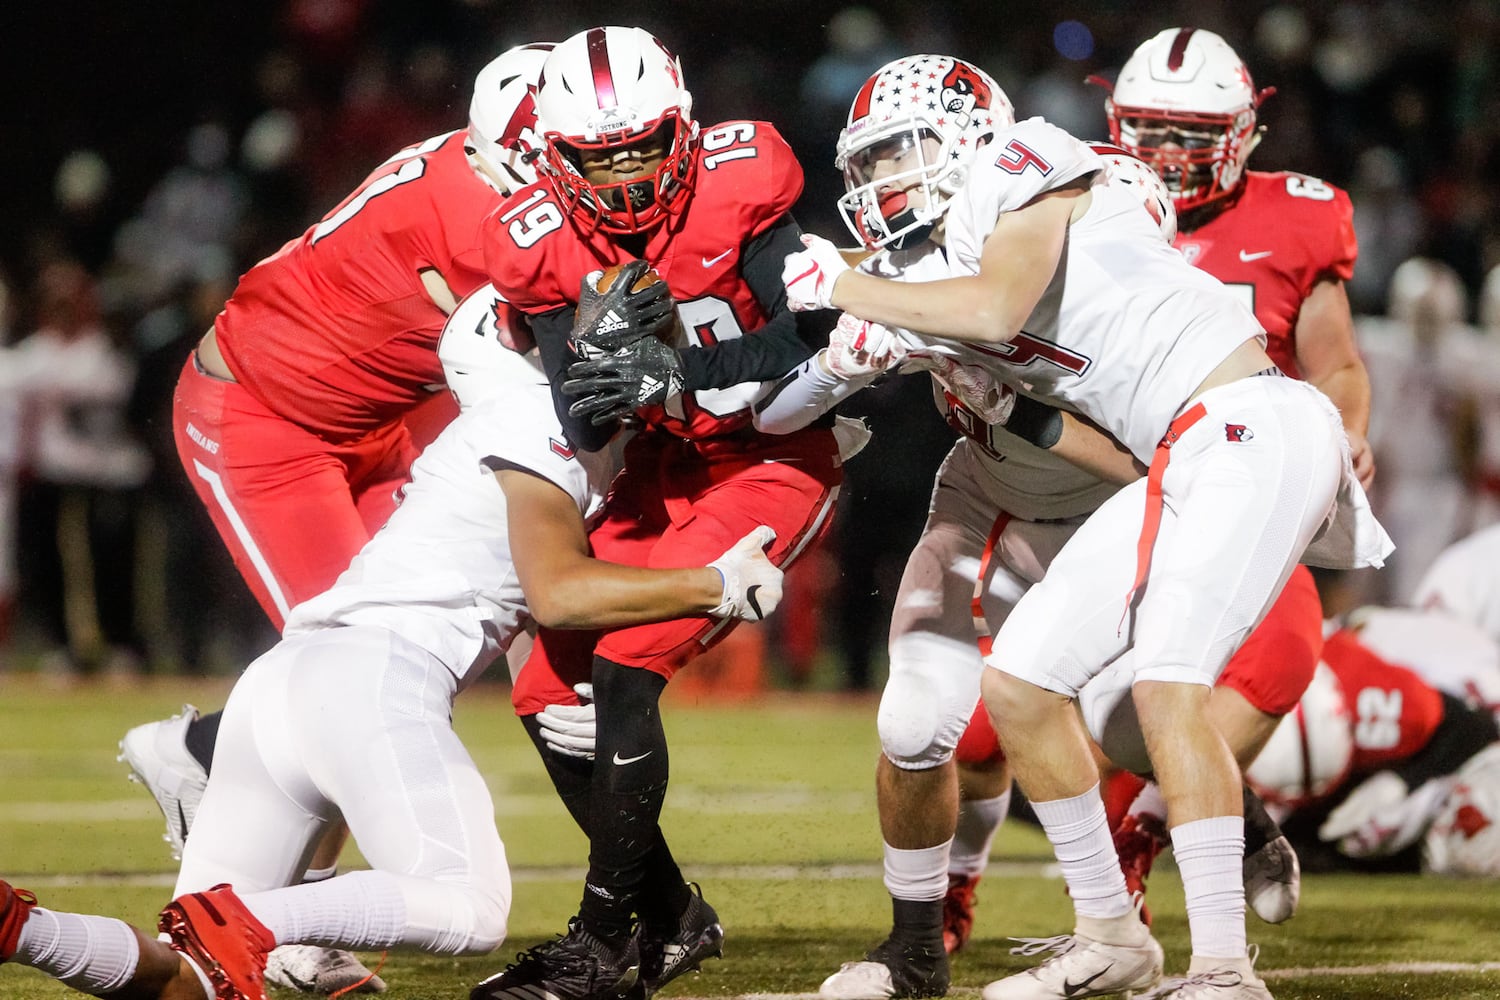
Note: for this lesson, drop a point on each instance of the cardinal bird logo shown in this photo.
(1237, 432)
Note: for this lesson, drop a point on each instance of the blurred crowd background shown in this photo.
(158, 150)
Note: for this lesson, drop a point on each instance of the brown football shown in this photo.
(607, 279)
(672, 335)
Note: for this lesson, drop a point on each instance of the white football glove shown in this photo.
(1381, 817)
(570, 729)
(858, 348)
(809, 275)
(752, 584)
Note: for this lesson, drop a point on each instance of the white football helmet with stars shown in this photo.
(914, 129)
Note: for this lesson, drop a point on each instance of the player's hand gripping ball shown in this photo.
(620, 305)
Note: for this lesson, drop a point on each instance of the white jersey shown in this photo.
(1016, 476)
(440, 572)
(1127, 329)
(1464, 581)
(1453, 656)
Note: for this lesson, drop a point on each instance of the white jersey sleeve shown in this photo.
(440, 571)
(1026, 160)
(1126, 329)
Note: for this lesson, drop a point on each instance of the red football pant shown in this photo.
(1271, 669)
(293, 508)
(684, 503)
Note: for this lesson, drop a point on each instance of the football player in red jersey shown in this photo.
(289, 417)
(1372, 785)
(1185, 103)
(629, 175)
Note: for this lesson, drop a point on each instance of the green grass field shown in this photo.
(771, 809)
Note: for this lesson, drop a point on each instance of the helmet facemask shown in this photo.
(1200, 157)
(896, 188)
(641, 200)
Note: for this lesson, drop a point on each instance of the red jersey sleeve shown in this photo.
(1395, 712)
(1284, 234)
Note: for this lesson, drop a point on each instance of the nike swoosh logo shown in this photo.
(754, 604)
(630, 760)
(710, 262)
(1073, 989)
(1248, 257)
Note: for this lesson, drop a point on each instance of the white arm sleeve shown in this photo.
(802, 396)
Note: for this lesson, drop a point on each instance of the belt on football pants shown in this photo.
(1152, 523)
(976, 605)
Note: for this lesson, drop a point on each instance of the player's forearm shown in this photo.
(1095, 451)
(595, 594)
(1348, 387)
(803, 396)
(958, 308)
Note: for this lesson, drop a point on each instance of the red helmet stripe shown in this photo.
(604, 80)
(1179, 49)
(862, 100)
(524, 117)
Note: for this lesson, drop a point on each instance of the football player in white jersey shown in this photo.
(1464, 581)
(350, 714)
(1060, 286)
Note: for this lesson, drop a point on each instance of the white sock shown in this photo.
(978, 820)
(1079, 832)
(356, 910)
(1150, 802)
(1209, 855)
(90, 954)
(920, 875)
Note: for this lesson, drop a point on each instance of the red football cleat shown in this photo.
(15, 905)
(958, 911)
(214, 929)
(1138, 840)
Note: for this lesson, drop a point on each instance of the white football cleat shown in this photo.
(1082, 967)
(311, 969)
(158, 757)
(1273, 881)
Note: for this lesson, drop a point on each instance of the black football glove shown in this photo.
(641, 373)
(607, 321)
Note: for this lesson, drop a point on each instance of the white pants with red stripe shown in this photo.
(1245, 490)
(354, 721)
(936, 636)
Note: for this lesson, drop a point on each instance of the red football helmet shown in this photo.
(608, 91)
(1184, 102)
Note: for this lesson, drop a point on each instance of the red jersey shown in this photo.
(1285, 233)
(747, 180)
(334, 331)
(1394, 711)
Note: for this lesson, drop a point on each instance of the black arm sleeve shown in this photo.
(1463, 732)
(787, 339)
(552, 330)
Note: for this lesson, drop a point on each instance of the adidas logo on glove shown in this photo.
(609, 323)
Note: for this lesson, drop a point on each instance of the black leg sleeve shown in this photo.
(571, 776)
(202, 735)
(629, 786)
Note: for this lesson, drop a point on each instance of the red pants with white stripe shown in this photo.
(293, 508)
(684, 503)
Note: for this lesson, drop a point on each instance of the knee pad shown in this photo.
(931, 693)
(489, 923)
